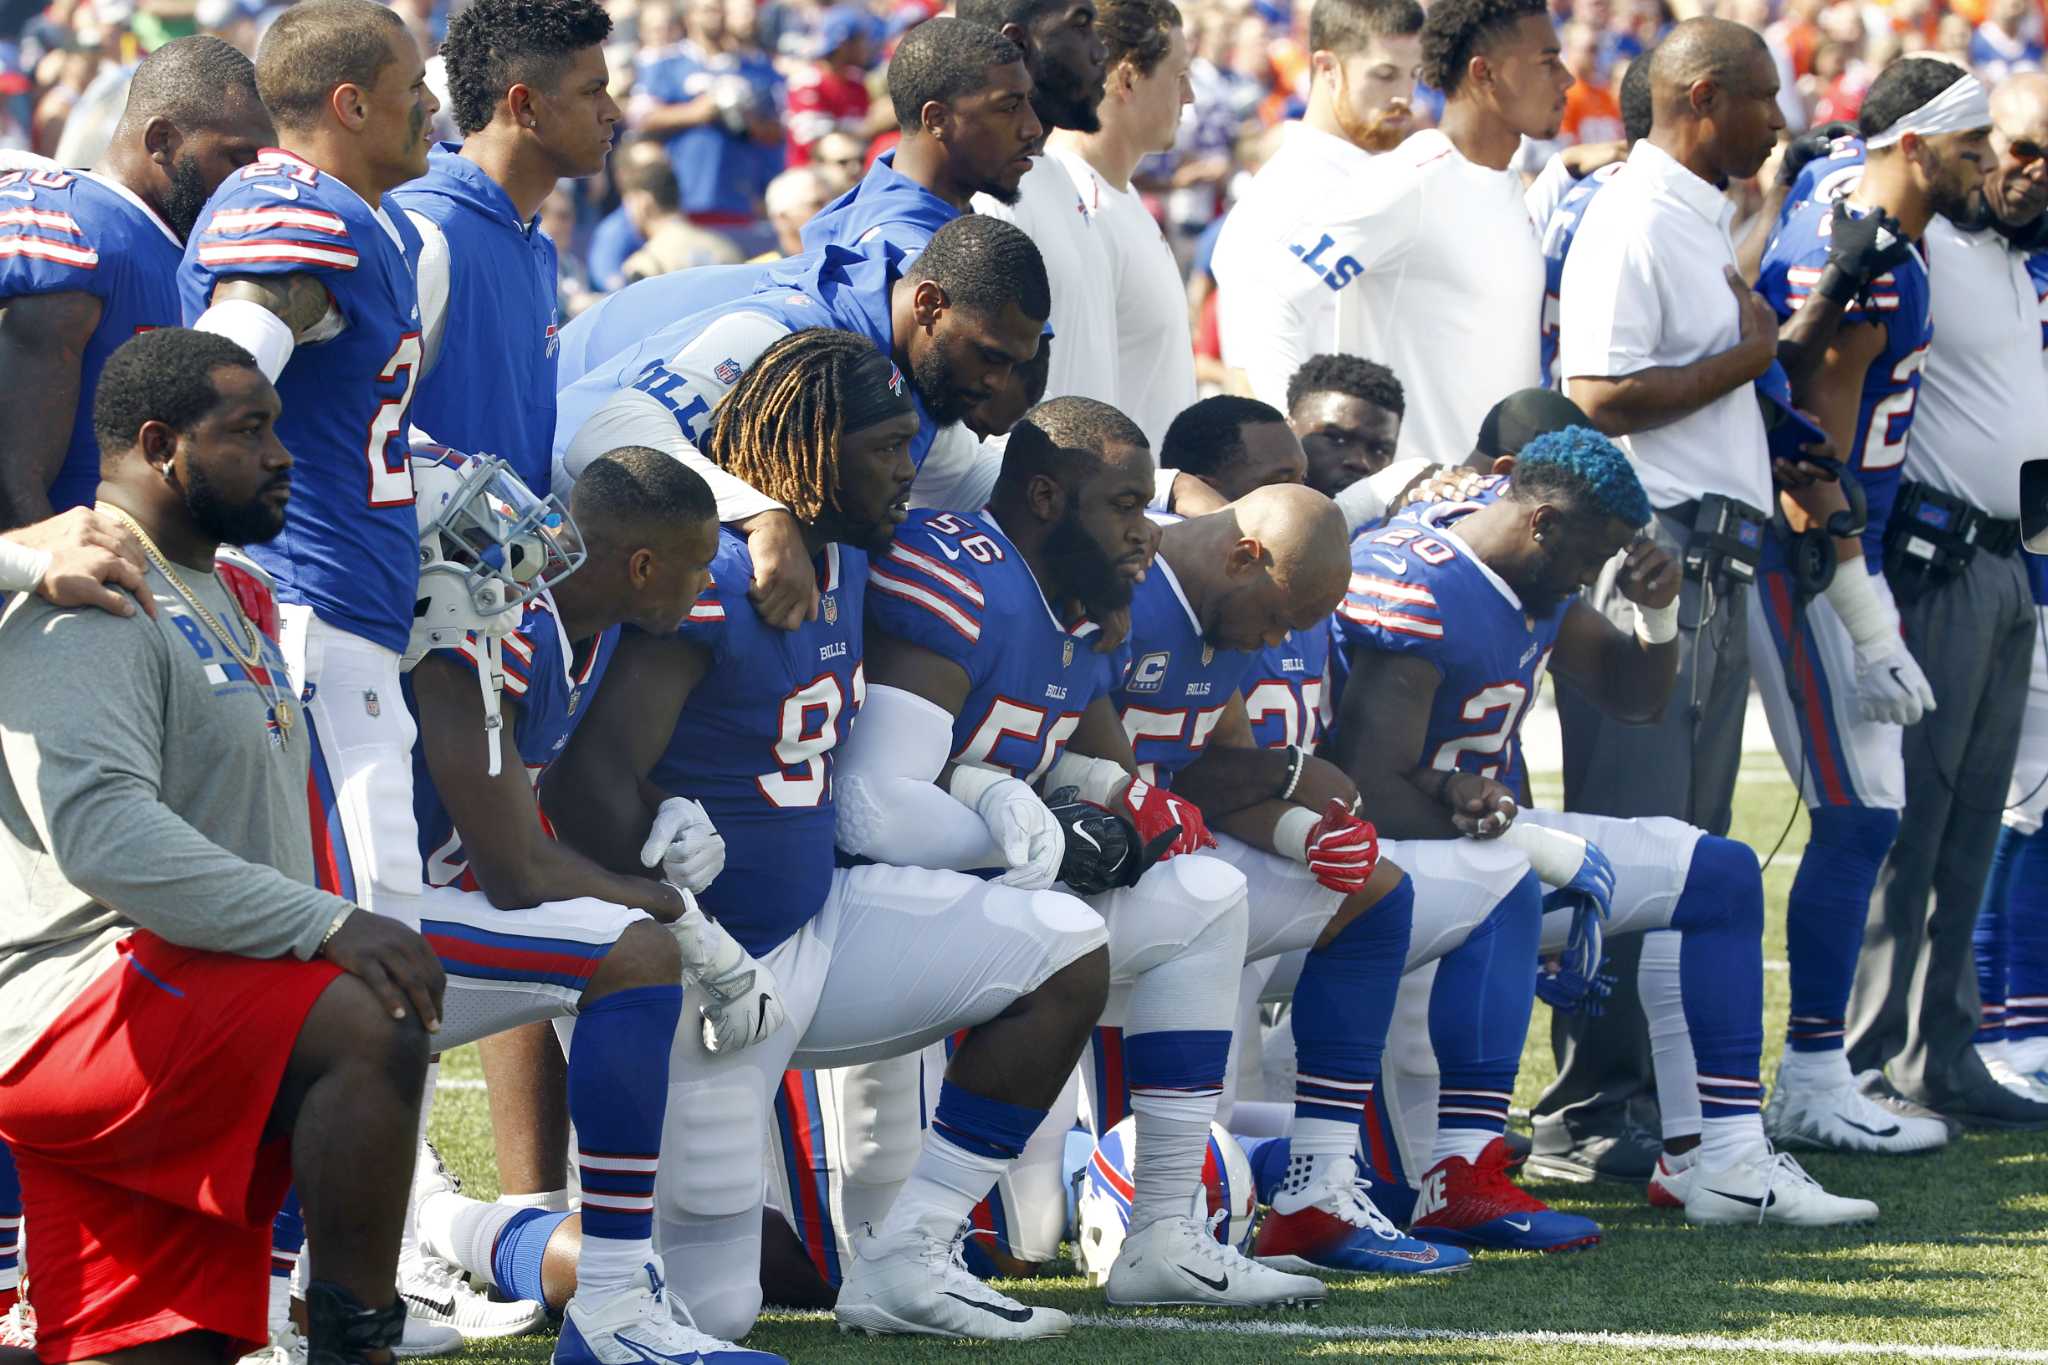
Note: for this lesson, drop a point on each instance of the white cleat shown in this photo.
(1843, 1119)
(2020, 1083)
(1769, 1187)
(643, 1325)
(1178, 1261)
(914, 1284)
(423, 1339)
(18, 1327)
(436, 1293)
(1671, 1182)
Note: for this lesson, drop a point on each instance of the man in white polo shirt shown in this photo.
(1660, 343)
(1364, 56)
(1953, 566)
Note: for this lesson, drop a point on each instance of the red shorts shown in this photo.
(137, 1122)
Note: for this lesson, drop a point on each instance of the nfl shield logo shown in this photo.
(575, 700)
(371, 706)
(1208, 655)
(1067, 654)
(830, 608)
(727, 370)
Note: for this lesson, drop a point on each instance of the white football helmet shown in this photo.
(488, 546)
(1224, 1202)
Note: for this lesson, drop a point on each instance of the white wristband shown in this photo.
(1291, 831)
(21, 567)
(1098, 779)
(1867, 616)
(1554, 856)
(255, 329)
(1657, 625)
(969, 784)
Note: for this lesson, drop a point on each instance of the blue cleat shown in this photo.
(1334, 1225)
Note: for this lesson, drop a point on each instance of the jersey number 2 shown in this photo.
(1507, 699)
(386, 451)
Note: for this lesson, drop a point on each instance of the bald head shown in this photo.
(2022, 97)
(2016, 190)
(1306, 536)
(1714, 99)
(193, 118)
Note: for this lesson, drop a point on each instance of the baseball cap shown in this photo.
(1524, 415)
(1787, 427)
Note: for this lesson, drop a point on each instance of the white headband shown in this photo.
(1958, 109)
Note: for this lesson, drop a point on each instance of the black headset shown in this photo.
(1811, 553)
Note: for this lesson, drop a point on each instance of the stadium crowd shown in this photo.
(920, 623)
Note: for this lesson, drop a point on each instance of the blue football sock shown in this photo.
(1824, 918)
(10, 1221)
(1988, 939)
(2026, 943)
(1343, 1006)
(522, 1245)
(1720, 915)
(287, 1236)
(618, 1097)
(1479, 1011)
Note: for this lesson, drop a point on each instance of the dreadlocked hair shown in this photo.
(778, 428)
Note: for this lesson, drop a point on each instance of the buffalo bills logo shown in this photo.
(895, 380)
(727, 370)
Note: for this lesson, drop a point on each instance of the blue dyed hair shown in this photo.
(1583, 470)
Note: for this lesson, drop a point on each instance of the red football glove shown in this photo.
(1154, 810)
(1342, 849)
(252, 592)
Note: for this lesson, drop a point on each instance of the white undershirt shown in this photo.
(1050, 211)
(1155, 353)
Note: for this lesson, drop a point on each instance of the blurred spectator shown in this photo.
(794, 198)
(839, 159)
(830, 93)
(616, 236)
(652, 200)
(572, 280)
(713, 101)
(1591, 113)
(2007, 40)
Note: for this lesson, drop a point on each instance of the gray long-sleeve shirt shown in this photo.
(141, 786)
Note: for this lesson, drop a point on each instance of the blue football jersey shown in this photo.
(1285, 691)
(955, 585)
(350, 547)
(1417, 589)
(2037, 270)
(883, 205)
(754, 742)
(550, 681)
(70, 232)
(1898, 301)
(1558, 235)
(1826, 178)
(625, 317)
(1178, 683)
(718, 171)
(836, 287)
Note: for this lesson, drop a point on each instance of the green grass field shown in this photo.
(1956, 1270)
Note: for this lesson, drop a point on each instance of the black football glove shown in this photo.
(1810, 146)
(1103, 852)
(1860, 250)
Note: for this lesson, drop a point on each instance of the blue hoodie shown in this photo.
(882, 205)
(491, 389)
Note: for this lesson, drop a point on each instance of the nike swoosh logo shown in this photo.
(281, 191)
(1389, 563)
(439, 1307)
(945, 549)
(1082, 834)
(1892, 1131)
(1220, 1284)
(1006, 1314)
(1522, 1226)
(647, 1353)
(1753, 1201)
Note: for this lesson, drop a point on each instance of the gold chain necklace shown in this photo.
(250, 659)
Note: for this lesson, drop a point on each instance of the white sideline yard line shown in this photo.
(1641, 1341)
(1638, 1341)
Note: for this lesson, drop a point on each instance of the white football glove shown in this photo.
(744, 1003)
(1032, 840)
(1890, 685)
(685, 843)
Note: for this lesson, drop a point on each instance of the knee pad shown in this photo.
(1724, 883)
(711, 1162)
(1207, 888)
(1862, 832)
